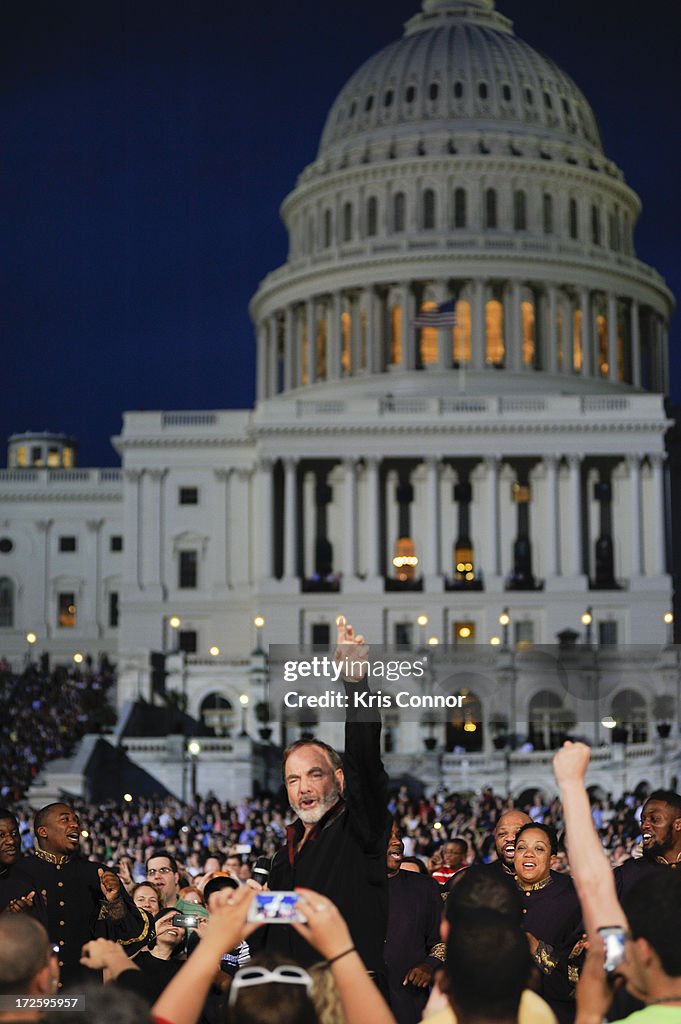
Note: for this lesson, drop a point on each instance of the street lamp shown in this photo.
(433, 641)
(494, 641)
(258, 622)
(175, 622)
(214, 651)
(31, 639)
(669, 620)
(78, 658)
(194, 748)
(243, 700)
(422, 622)
(587, 619)
(504, 620)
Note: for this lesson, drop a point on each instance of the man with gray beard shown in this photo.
(336, 845)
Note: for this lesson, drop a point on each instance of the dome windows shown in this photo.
(399, 212)
(506, 93)
(573, 219)
(347, 222)
(460, 208)
(410, 93)
(369, 102)
(519, 210)
(595, 225)
(482, 90)
(433, 91)
(548, 102)
(372, 216)
(388, 98)
(327, 228)
(429, 209)
(458, 90)
(491, 208)
(547, 214)
(529, 97)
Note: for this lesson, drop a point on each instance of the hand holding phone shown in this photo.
(275, 908)
(614, 939)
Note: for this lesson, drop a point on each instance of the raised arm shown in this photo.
(326, 930)
(589, 866)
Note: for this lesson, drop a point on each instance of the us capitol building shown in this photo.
(485, 492)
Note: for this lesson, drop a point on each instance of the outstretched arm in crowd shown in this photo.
(326, 930)
(181, 1001)
(590, 869)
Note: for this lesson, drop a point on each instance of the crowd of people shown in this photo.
(347, 904)
(45, 715)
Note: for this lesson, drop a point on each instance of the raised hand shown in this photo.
(110, 884)
(571, 762)
(351, 652)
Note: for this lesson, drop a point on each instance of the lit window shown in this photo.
(188, 570)
(464, 566)
(346, 334)
(524, 634)
(405, 559)
(494, 324)
(462, 332)
(396, 336)
(529, 350)
(602, 332)
(320, 351)
(66, 610)
(464, 633)
(577, 355)
(21, 456)
(36, 456)
(52, 457)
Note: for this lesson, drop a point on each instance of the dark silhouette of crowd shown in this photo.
(45, 714)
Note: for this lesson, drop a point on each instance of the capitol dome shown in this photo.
(460, 68)
(460, 170)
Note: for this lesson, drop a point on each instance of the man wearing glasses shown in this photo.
(162, 871)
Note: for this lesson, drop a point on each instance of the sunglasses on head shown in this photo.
(286, 974)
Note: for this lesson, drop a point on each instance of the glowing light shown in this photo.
(214, 651)
(504, 619)
(194, 748)
(127, 797)
(258, 622)
(465, 632)
(422, 620)
(608, 722)
(433, 641)
(243, 700)
(78, 658)
(85, 834)
(31, 638)
(470, 576)
(470, 727)
(495, 641)
(587, 619)
(401, 560)
(437, 825)
(668, 618)
(174, 622)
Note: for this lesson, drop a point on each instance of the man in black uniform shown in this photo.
(507, 827)
(17, 892)
(84, 900)
(337, 844)
(661, 833)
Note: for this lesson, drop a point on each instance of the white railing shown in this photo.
(189, 419)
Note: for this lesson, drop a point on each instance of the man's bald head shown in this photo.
(24, 953)
(508, 824)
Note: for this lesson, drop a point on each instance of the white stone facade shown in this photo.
(458, 168)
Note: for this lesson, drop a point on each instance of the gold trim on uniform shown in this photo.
(535, 886)
(543, 958)
(439, 951)
(670, 863)
(58, 859)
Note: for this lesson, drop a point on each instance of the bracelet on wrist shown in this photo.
(340, 955)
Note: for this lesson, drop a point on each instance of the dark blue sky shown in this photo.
(148, 146)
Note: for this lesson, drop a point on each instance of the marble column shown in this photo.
(373, 517)
(573, 553)
(493, 565)
(221, 519)
(333, 336)
(273, 360)
(289, 347)
(613, 373)
(153, 539)
(635, 331)
(261, 382)
(132, 552)
(478, 326)
(373, 363)
(92, 612)
(264, 504)
(635, 507)
(408, 331)
(552, 532)
(311, 324)
(656, 518)
(551, 335)
(587, 354)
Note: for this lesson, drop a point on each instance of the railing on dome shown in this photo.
(189, 419)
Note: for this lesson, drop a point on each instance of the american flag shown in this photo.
(442, 316)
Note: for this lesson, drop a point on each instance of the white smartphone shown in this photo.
(614, 939)
(275, 908)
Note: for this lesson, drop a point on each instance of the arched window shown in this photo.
(304, 356)
(320, 350)
(347, 222)
(549, 721)
(462, 332)
(519, 210)
(460, 208)
(309, 241)
(547, 214)
(529, 343)
(429, 338)
(327, 228)
(464, 727)
(595, 225)
(429, 209)
(405, 559)
(573, 219)
(6, 602)
(577, 355)
(629, 711)
(372, 216)
(218, 714)
(494, 324)
(399, 211)
(346, 346)
(602, 334)
(490, 208)
(396, 335)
